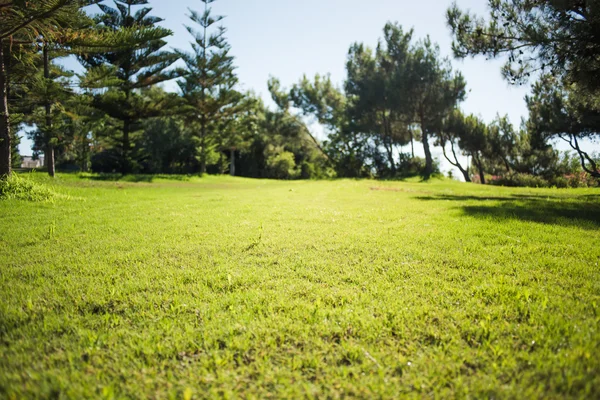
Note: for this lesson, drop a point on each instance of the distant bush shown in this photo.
(575, 180)
(519, 179)
(581, 179)
(107, 161)
(18, 188)
(409, 166)
(561, 182)
(281, 166)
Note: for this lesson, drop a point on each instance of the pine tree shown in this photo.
(208, 84)
(23, 24)
(18, 66)
(50, 23)
(123, 73)
(46, 94)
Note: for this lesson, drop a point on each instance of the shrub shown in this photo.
(560, 182)
(281, 166)
(575, 180)
(307, 170)
(520, 179)
(409, 166)
(18, 188)
(581, 179)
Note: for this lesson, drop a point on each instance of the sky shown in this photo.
(287, 39)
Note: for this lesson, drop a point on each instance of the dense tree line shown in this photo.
(116, 117)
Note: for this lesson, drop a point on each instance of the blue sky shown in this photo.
(287, 39)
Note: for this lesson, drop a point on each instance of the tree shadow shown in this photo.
(581, 211)
(134, 178)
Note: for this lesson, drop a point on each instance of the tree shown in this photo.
(563, 36)
(208, 84)
(504, 145)
(470, 135)
(435, 92)
(319, 99)
(379, 88)
(453, 131)
(123, 73)
(346, 149)
(61, 23)
(236, 128)
(24, 22)
(22, 59)
(48, 90)
(165, 145)
(567, 113)
(474, 142)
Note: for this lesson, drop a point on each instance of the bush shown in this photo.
(575, 180)
(409, 166)
(281, 166)
(307, 170)
(107, 161)
(17, 188)
(581, 179)
(560, 182)
(519, 179)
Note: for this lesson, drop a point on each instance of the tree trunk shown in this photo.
(49, 157)
(465, 173)
(412, 143)
(125, 156)
(390, 154)
(456, 163)
(387, 142)
(480, 169)
(49, 152)
(428, 158)
(506, 164)
(5, 146)
(203, 146)
(425, 139)
(85, 149)
(232, 163)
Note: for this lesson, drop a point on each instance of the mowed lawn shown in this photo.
(238, 288)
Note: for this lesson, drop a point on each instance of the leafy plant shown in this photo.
(15, 187)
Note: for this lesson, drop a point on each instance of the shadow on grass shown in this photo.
(566, 210)
(135, 178)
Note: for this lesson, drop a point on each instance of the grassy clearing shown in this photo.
(197, 288)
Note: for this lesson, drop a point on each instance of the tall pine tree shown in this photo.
(208, 84)
(50, 23)
(124, 73)
(23, 23)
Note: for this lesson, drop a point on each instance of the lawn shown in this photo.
(153, 287)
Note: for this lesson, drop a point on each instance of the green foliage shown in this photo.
(521, 179)
(389, 95)
(243, 288)
(208, 87)
(47, 18)
(15, 156)
(534, 35)
(16, 187)
(558, 111)
(281, 165)
(409, 166)
(125, 73)
(557, 38)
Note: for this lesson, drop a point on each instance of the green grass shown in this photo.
(223, 287)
